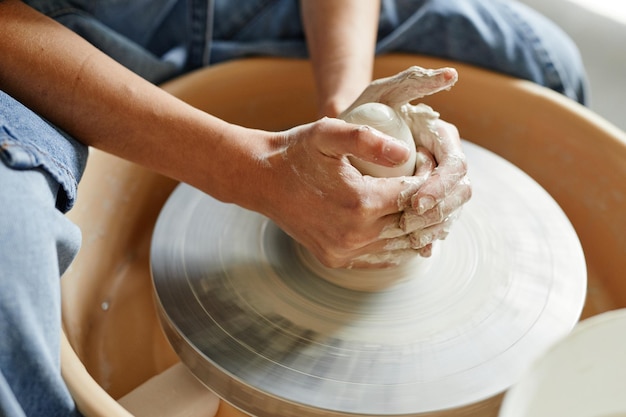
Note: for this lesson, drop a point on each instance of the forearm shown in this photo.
(341, 37)
(68, 81)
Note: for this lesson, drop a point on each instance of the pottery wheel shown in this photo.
(252, 319)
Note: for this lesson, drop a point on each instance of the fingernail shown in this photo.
(396, 152)
(424, 204)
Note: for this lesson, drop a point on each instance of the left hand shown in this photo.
(433, 204)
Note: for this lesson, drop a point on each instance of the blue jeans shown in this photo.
(160, 39)
(37, 244)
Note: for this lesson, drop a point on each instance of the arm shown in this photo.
(290, 176)
(341, 36)
(59, 75)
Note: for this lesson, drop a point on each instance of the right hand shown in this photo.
(315, 195)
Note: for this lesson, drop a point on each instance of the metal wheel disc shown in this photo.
(248, 312)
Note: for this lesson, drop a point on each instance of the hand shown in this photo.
(408, 85)
(437, 202)
(432, 205)
(326, 204)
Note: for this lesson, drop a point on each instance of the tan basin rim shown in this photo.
(114, 343)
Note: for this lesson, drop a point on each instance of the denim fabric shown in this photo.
(146, 36)
(27, 141)
(40, 166)
(37, 244)
(503, 36)
(499, 35)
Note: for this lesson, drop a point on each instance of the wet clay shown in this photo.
(385, 119)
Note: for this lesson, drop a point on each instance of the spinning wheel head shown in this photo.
(261, 323)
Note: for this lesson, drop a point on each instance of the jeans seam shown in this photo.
(201, 28)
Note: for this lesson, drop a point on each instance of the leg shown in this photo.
(501, 35)
(37, 244)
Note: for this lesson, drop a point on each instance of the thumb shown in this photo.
(389, 158)
(367, 144)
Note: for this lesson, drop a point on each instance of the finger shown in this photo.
(413, 219)
(410, 84)
(384, 253)
(417, 82)
(425, 165)
(390, 258)
(391, 227)
(396, 194)
(395, 251)
(426, 251)
(438, 187)
(424, 162)
(451, 169)
(438, 136)
(383, 259)
(423, 237)
(404, 231)
(386, 196)
(337, 138)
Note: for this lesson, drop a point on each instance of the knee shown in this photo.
(563, 67)
(503, 36)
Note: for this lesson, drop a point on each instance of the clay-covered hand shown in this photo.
(319, 198)
(438, 200)
(428, 207)
(406, 86)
